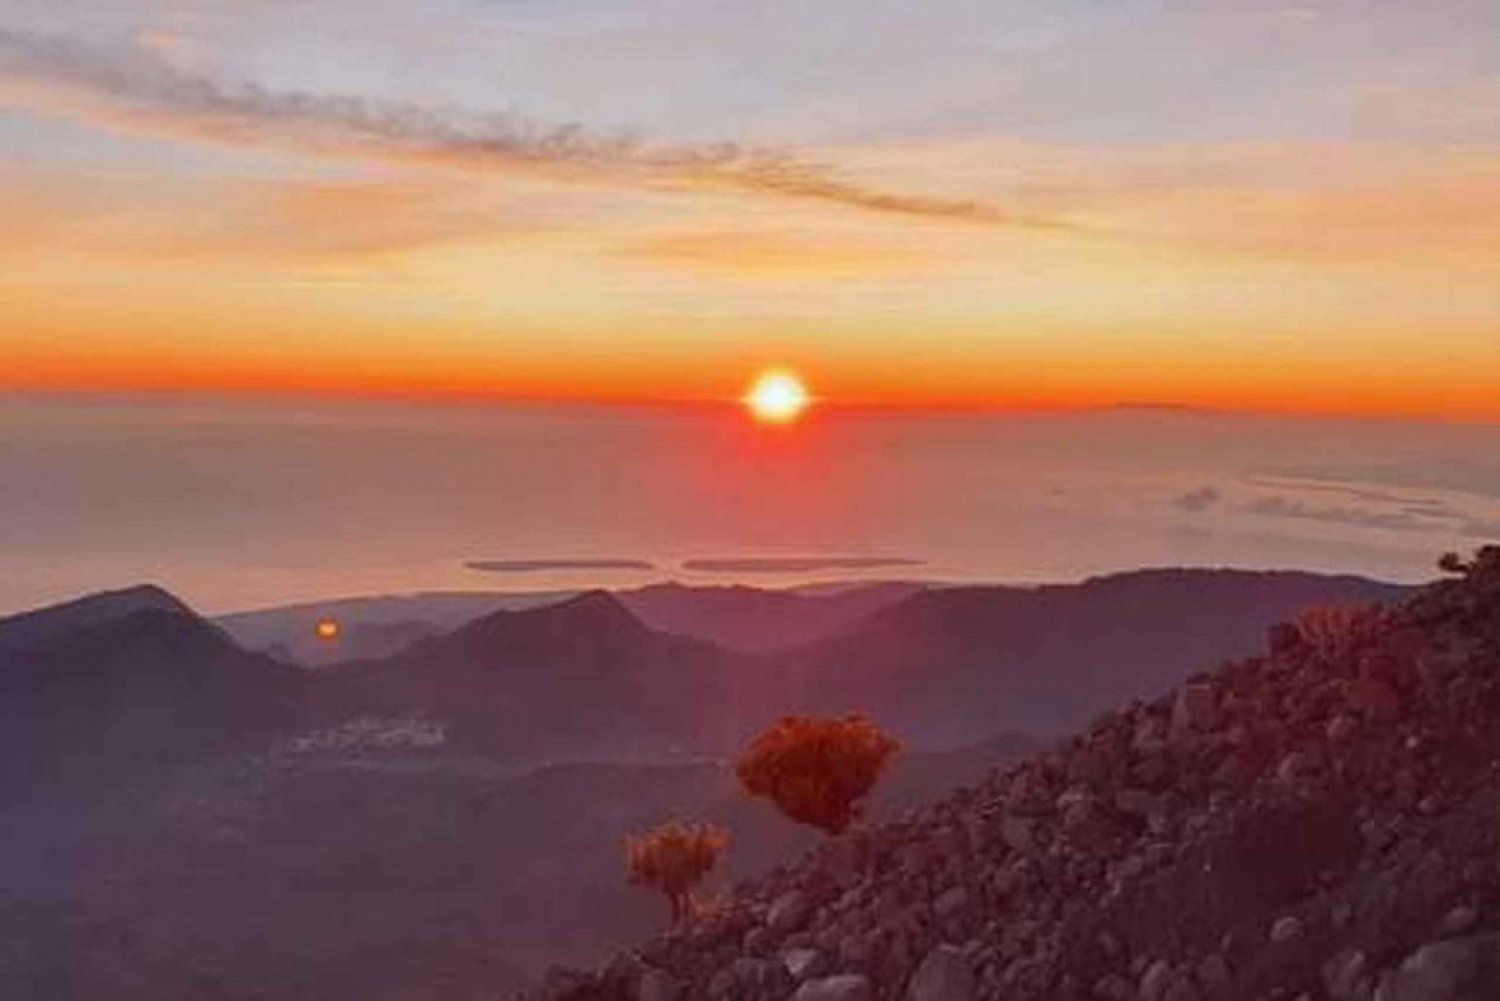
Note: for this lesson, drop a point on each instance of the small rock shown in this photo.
(1295, 767)
(1154, 981)
(1343, 972)
(1341, 728)
(1135, 801)
(722, 985)
(846, 987)
(788, 912)
(657, 985)
(801, 963)
(1018, 832)
(1286, 929)
(951, 902)
(943, 976)
(756, 941)
(1196, 708)
(1213, 974)
(1457, 921)
(1181, 989)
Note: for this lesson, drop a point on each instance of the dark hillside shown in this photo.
(1316, 822)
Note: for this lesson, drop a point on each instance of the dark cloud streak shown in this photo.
(138, 88)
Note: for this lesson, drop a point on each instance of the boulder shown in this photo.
(1455, 969)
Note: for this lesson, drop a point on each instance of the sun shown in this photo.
(777, 397)
(327, 629)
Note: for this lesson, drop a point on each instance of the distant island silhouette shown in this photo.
(535, 566)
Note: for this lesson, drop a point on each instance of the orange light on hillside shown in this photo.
(327, 629)
(777, 398)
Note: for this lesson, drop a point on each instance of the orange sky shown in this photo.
(234, 244)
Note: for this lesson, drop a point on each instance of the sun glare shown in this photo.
(327, 629)
(777, 398)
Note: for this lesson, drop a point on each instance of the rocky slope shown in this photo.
(1319, 822)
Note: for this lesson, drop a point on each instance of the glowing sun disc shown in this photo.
(777, 398)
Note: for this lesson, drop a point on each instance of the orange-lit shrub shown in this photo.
(673, 858)
(816, 770)
(1333, 631)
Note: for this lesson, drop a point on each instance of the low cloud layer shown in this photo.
(1427, 515)
(1283, 507)
(1198, 500)
(138, 88)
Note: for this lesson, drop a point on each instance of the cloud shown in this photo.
(539, 566)
(1283, 507)
(1198, 500)
(1411, 513)
(138, 88)
(795, 564)
(1413, 504)
(245, 220)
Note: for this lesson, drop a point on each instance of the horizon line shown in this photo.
(861, 405)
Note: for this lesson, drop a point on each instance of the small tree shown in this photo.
(673, 858)
(816, 771)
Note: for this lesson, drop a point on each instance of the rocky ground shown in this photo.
(1319, 822)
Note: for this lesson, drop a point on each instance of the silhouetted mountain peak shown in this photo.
(590, 617)
(90, 612)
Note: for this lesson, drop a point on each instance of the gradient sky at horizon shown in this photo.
(1272, 205)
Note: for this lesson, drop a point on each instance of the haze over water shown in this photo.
(236, 504)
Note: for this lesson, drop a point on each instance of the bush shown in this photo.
(1332, 632)
(673, 858)
(816, 770)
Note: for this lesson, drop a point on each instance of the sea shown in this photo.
(235, 503)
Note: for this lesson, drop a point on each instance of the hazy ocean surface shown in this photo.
(235, 504)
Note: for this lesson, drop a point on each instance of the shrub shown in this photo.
(1332, 632)
(673, 858)
(816, 770)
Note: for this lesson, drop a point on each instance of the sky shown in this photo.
(1278, 206)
